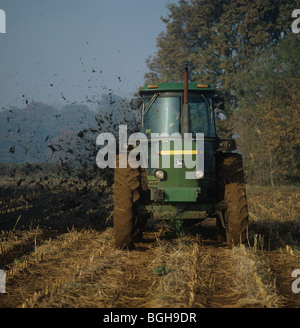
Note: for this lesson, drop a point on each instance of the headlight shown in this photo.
(199, 174)
(160, 174)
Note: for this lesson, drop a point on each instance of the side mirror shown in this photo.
(219, 103)
(135, 103)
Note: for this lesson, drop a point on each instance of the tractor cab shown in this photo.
(163, 106)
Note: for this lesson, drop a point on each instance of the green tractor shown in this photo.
(164, 191)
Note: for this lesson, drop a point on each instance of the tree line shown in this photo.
(247, 50)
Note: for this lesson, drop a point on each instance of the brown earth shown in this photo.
(56, 247)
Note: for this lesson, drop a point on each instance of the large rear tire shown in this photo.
(126, 195)
(232, 192)
(236, 213)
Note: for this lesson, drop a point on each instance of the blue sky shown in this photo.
(76, 49)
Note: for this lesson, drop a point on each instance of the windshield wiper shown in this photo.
(150, 103)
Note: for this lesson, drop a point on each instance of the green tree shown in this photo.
(217, 39)
(268, 116)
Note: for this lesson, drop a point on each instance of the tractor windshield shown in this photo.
(162, 114)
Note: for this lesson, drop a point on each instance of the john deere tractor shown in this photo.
(164, 191)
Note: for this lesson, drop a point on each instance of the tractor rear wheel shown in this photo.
(232, 193)
(126, 195)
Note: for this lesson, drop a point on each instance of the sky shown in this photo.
(72, 51)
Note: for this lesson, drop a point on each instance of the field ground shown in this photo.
(56, 247)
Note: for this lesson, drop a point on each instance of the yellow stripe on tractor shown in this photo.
(178, 152)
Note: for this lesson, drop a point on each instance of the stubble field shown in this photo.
(56, 248)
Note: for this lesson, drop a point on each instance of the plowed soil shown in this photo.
(56, 248)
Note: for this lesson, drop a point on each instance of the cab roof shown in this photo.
(192, 86)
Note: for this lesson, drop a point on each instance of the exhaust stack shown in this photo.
(186, 107)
